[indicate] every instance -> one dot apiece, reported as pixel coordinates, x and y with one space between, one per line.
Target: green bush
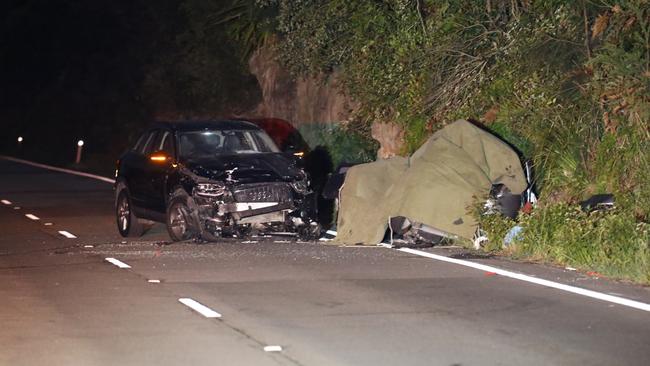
609 242
343 145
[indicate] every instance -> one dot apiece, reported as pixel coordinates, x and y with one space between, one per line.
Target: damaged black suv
210 179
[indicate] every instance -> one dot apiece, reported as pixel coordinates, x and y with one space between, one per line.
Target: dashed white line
117 262
17 208
48 224
518 276
273 349
89 246
5 202
153 281
199 308
67 234
32 217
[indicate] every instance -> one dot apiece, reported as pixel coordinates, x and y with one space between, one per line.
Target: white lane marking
48 224
117 262
32 217
61 170
67 234
518 276
153 281
5 202
89 246
17 208
199 308
273 349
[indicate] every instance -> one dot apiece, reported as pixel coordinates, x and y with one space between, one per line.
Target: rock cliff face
309 100
305 100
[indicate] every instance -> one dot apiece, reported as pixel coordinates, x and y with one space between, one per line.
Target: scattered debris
598 202
513 235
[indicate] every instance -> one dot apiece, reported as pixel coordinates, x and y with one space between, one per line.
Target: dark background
102 71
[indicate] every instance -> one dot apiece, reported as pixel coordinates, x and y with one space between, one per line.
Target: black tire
310 232
127 223
182 220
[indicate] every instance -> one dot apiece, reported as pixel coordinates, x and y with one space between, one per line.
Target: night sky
102 71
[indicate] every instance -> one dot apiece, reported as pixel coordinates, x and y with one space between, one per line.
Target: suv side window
140 142
167 143
147 148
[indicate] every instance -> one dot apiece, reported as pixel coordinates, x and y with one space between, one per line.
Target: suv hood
247 168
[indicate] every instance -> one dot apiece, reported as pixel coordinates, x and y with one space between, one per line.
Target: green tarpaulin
435 186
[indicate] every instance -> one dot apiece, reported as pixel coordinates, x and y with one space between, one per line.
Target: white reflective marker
199 308
5 202
117 262
273 349
518 276
67 234
32 217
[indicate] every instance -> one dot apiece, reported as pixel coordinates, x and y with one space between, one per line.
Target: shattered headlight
210 189
301 186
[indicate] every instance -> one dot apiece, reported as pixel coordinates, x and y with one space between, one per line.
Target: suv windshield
205 144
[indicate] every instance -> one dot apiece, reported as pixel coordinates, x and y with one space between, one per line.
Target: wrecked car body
212 179
428 197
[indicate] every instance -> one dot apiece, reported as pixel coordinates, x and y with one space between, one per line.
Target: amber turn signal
158 158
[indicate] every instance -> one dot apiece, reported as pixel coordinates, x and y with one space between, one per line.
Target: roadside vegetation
564 82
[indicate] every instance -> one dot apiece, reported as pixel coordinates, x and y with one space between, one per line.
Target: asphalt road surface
63 303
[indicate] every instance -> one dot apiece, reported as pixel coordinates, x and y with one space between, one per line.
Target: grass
609 242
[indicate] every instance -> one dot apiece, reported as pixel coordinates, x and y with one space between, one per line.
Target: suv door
137 178
158 173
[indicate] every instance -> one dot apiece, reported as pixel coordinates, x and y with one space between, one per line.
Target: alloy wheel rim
123 213
177 221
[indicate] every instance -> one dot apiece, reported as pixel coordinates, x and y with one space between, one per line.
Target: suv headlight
210 189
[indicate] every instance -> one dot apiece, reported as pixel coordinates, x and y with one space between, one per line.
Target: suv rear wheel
127 223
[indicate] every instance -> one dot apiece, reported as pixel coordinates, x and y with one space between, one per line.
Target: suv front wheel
182 221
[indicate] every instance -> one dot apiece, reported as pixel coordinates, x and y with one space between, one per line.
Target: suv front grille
267 192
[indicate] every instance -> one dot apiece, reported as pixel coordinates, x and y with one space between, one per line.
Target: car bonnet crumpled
436 186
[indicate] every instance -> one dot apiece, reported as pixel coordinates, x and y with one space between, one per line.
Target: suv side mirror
160 157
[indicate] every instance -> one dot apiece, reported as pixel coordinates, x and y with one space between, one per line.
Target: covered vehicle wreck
428 196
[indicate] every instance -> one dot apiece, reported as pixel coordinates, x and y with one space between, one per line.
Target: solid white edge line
273 349
67 234
199 308
6 202
117 262
518 276
32 217
61 170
